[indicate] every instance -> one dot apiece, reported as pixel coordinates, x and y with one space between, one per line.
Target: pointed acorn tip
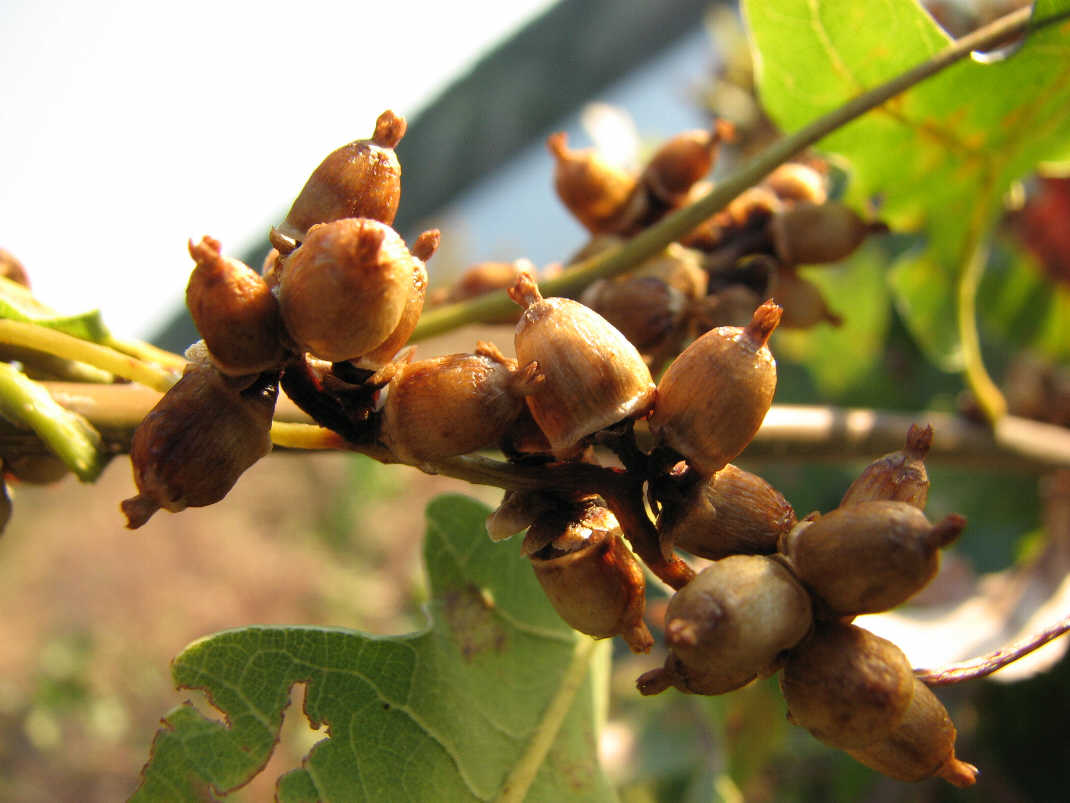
765 320
919 440
653 682
389 129
946 530
558 145
526 290
207 250
426 244
138 510
958 772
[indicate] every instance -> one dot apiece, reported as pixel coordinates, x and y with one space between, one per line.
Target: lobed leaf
939 158
446 714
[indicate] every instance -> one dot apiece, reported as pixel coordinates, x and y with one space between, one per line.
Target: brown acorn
601 197
810 234
802 300
487 277
194 444
713 397
422 250
589 574
729 513
921 746
795 182
846 686
750 211
343 292
682 161
645 309
680 268
730 624
452 405
591 375
898 476
870 556
517 511
11 268
359 180
35 469
234 310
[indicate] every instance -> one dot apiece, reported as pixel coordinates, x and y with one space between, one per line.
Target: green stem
42 338
519 781
684 220
68 435
988 396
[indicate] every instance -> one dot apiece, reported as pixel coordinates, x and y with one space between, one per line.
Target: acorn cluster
780 594
723 269
326 320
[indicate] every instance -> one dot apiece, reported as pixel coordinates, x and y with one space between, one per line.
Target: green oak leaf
938 158
448 714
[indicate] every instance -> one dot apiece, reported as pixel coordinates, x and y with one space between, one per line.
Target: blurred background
129 129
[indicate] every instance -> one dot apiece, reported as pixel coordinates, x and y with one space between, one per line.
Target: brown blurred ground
96 611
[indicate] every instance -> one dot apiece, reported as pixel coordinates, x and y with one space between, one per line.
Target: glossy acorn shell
448 406
868 557
410 316
343 291
596 192
644 309
899 476
712 398
732 622
809 234
591 375
679 163
846 686
234 310
921 746
199 438
358 180
589 575
794 182
732 512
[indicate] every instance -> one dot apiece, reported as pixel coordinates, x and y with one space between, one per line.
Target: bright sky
128 127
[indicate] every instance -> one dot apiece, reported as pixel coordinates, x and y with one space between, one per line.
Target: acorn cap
234 310
361 179
869 557
589 574
452 405
898 476
343 292
845 685
731 512
591 375
712 399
